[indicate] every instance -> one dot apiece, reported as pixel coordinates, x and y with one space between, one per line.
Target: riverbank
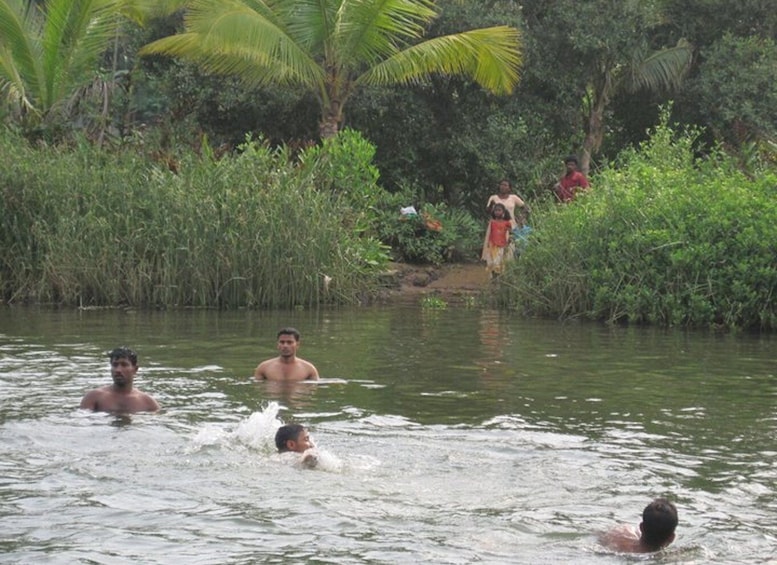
451 282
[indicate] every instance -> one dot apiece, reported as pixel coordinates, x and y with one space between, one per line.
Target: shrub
435 234
662 238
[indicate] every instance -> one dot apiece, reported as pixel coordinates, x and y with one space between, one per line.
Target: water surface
446 436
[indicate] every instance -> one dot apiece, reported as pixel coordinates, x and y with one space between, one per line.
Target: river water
444 436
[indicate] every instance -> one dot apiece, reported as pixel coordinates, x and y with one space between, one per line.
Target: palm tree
50 53
332 47
656 71
45 54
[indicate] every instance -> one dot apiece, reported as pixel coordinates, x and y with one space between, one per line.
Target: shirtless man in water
656 531
120 397
287 366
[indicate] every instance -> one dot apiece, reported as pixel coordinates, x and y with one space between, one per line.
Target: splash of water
256 432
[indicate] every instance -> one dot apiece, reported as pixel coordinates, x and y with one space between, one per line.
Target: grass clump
83 227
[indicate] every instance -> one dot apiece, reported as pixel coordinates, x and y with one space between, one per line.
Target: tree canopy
332 47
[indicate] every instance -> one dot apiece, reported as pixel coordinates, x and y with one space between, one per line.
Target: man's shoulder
580 176
261 369
310 368
90 396
306 363
268 361
149 403
96 397
622 537
98 392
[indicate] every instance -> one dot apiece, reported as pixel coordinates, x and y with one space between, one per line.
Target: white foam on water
255 432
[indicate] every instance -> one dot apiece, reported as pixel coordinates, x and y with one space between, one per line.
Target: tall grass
662 238
82 227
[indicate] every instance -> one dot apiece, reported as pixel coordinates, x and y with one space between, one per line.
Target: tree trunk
331 119
328 128
594 134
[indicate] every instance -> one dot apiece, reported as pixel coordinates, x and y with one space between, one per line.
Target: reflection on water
451 436
298 396
120 420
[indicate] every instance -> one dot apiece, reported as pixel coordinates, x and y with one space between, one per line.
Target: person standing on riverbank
510 201
120 397
572 182
287 366
496 248
656 531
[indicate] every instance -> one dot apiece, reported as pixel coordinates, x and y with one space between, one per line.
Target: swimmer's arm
309 460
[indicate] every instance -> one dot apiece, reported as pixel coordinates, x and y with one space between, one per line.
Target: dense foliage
83 227
333 47
434 233
664 238
736 86
177 210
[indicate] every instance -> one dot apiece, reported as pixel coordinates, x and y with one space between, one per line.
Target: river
454 435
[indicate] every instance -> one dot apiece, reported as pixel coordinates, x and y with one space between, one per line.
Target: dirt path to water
450 282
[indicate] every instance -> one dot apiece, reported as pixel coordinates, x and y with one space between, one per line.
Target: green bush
662 238
436 234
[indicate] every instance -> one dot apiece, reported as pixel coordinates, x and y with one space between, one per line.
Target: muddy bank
451 282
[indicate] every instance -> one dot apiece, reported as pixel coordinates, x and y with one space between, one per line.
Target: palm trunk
328 127
332 113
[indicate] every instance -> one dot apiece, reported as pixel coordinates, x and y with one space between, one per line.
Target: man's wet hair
571 159
289 331
124 352
659 520
288 432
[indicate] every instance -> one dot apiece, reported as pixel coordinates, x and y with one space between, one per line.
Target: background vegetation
250 230
146 155
666 238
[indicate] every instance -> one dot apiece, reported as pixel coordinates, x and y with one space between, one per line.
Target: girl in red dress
497 248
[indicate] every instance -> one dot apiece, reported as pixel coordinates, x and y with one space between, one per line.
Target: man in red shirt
572 182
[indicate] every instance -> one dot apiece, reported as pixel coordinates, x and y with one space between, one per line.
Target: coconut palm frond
74 37
489 56
372 31
49 51
332 46
662 70
20 55
234 38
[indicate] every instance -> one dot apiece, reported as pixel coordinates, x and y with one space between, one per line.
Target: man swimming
656 531
295 438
